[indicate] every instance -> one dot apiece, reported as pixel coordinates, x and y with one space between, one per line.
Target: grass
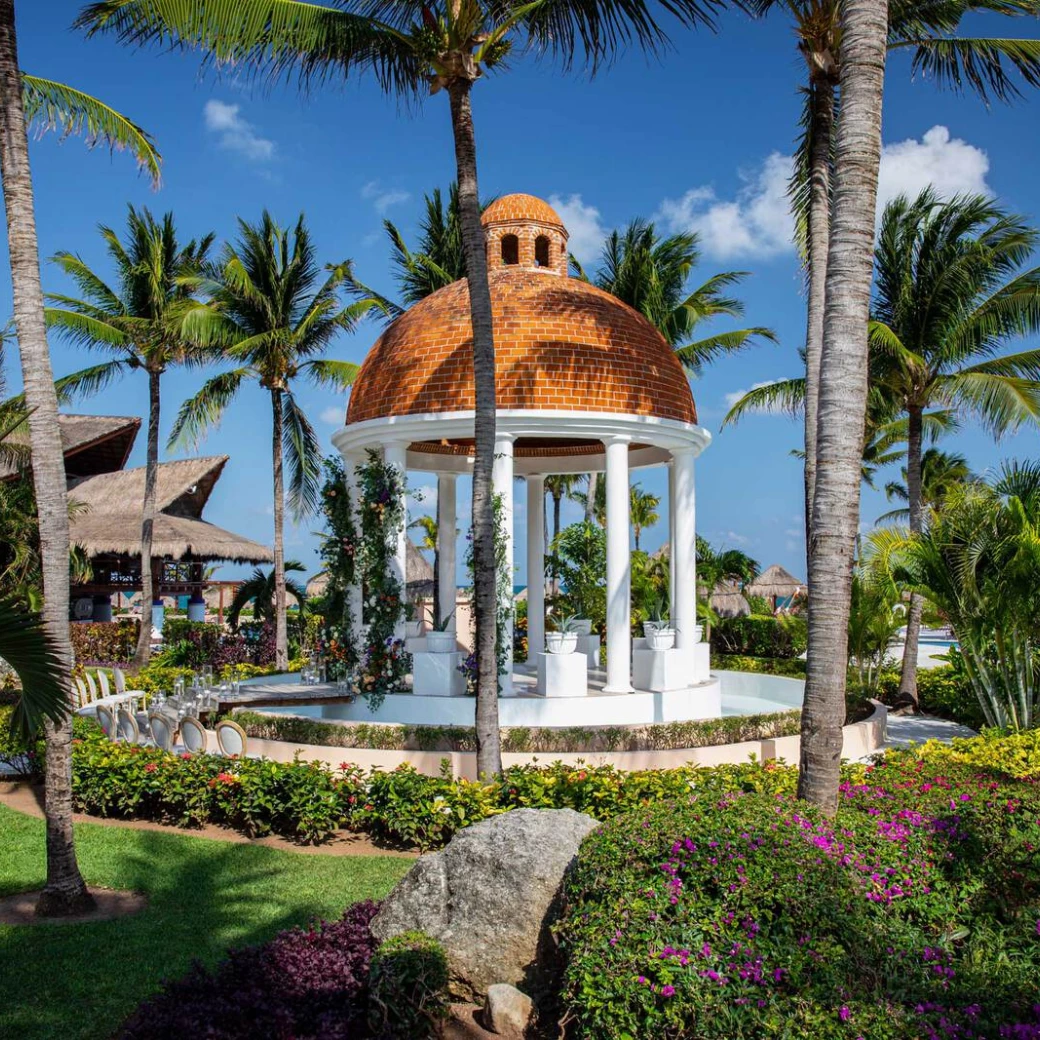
80 981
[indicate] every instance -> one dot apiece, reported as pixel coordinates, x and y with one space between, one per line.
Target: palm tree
259 589
643 510
940 471
843 398
26 99
928 29
715 566
952 294
415 48
272 319
26 646
142 320
650 274
428 543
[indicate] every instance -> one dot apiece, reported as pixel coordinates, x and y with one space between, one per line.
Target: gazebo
584 383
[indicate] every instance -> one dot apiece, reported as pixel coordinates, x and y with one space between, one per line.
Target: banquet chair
231 739
106 720
193 735
162 728
126 727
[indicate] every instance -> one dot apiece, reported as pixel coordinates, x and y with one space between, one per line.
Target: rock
508 1011
490 897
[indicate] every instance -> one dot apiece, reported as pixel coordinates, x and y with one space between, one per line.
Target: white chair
82 700
106 721
161 727
106 690
193 735
126 726
91 685
120 681
231 739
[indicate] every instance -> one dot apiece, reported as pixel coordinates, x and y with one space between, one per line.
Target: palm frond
331 375
56 106
89 381
784 396
694 356
983 65
85 330
206 408
302 451
25 646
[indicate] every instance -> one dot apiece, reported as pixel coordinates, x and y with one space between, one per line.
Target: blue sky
698 140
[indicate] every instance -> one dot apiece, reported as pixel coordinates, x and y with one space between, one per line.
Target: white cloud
235 133
757 221
583 224
333 415
736 395
383 198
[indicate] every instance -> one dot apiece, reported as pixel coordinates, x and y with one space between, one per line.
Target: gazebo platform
590 707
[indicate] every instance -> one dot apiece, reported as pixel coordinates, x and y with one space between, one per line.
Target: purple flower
844 1013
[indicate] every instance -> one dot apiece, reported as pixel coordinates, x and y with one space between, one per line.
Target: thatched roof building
92 444
728 601
108 520
777 585
420 577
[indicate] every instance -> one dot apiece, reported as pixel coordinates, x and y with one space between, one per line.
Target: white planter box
563 675
660 670
440 642
438 675
589 646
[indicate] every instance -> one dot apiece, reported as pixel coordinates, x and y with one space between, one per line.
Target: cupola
523 231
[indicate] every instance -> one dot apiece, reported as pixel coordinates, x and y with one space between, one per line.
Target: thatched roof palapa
775 582
109 518
728 601
420 576
91 443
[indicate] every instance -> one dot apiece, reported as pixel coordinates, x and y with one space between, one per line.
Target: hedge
914 914
760 636
104 642
944 691
731 729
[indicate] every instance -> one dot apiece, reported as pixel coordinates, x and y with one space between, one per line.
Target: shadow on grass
81 980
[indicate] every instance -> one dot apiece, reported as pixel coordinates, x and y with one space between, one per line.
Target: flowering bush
309 984
914 914
408 988
104 641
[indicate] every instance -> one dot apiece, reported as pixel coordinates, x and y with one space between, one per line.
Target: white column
619 570
446 535
685 615
355 604
535 567
395 454
671 541
502 485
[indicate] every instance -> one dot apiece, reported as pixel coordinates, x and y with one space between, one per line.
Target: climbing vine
503 596
338 642
383 662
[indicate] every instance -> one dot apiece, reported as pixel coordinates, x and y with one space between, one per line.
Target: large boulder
490 897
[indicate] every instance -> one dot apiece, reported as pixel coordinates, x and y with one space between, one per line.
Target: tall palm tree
651 273
843 397
415 48
559 486
259 589
23 100
940 471
144 321
428 543
929 29
644 511
26 646
273 321
952 294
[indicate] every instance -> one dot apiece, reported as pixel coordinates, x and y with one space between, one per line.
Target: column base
618 689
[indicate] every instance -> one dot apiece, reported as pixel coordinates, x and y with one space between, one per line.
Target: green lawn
79 981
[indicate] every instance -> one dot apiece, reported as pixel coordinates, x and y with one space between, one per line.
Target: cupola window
510 249
541 251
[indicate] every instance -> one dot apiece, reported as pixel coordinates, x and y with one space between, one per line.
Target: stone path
907 729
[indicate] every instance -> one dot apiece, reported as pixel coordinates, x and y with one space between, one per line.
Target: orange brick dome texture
520 208
560 344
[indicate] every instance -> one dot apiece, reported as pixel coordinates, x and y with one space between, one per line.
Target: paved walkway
916 729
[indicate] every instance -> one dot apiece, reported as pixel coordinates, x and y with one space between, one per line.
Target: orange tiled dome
560 344
520 208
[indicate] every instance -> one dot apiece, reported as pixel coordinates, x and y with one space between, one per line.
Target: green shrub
913 914
408 988
760 636
944 691
104 642
791 667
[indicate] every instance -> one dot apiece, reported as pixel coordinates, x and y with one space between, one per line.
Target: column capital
503 435
620 438
684 452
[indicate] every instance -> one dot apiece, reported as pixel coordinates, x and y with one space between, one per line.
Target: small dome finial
523 231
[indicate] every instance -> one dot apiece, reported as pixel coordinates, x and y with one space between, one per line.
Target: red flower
150 767
186 755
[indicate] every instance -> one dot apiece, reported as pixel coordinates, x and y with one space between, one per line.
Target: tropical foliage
258 590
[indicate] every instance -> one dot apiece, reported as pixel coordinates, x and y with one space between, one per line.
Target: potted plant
563 636
412 627
661 638
440 639
579 621
657 617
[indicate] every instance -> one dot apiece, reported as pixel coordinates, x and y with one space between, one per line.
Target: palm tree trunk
843 397
590 501
485 592
438 607
281 637
65 891
557 497
151 469
817 239
907 696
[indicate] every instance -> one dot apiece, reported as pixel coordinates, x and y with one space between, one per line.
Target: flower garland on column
384 663
338 642
503 596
